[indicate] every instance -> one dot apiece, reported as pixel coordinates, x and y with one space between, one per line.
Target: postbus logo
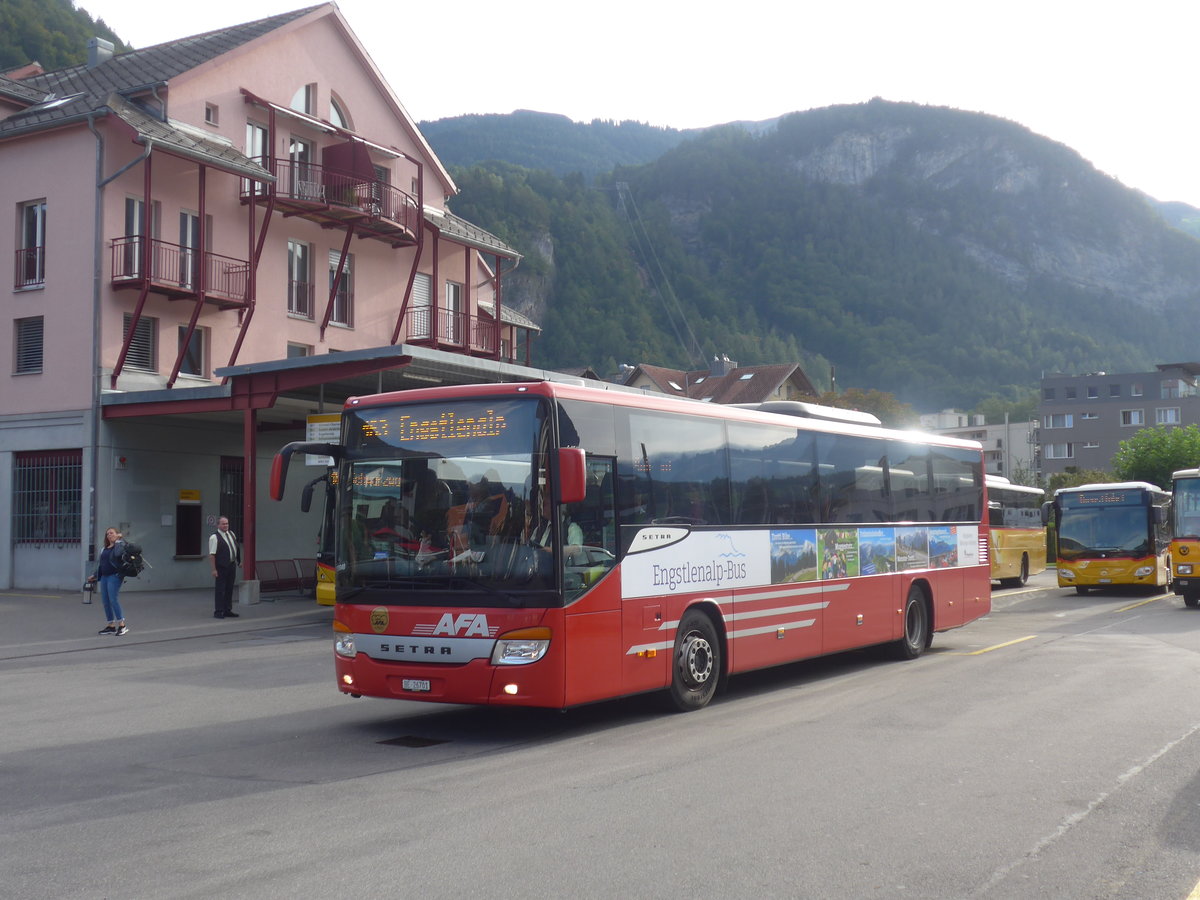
379 619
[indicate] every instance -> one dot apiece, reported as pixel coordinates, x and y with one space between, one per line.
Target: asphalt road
1049 750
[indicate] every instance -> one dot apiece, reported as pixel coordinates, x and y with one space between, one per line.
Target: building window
193 361
1093 392
1069 393
28 346
1060 451
1091 445
297 351
256 149
422 302
47 491
31 247
305 99
454 301
1168 415
1090 415
300 286
306 179
1114 390
337 112
1135 390
1047 393
342 289
1058 420
143 349
211 114
1133 417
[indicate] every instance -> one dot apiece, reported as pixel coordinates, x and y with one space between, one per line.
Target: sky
1115 81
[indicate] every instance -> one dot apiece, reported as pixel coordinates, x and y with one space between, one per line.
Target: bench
286 575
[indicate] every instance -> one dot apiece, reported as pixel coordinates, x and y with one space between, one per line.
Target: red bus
550 545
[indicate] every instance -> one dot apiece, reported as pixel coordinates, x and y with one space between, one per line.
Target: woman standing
108 574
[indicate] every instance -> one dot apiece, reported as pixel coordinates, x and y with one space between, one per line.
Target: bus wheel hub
696 659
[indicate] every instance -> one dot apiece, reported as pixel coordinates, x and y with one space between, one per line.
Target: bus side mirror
1160 515
572 475
1047 512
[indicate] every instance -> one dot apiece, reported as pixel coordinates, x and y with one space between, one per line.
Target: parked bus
326 484
1185 543
1018 537
551 545
1111 535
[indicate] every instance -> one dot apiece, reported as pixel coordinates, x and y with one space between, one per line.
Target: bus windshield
1112 529
1186 503
447 504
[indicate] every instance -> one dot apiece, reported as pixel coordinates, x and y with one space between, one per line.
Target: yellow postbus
1111 535
1017 543
1185 541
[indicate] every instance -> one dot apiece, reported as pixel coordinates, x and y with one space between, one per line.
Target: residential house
213 239
725 382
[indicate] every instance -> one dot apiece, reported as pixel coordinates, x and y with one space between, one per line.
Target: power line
658 274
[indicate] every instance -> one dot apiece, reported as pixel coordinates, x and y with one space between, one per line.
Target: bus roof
1112 486
999 482
621 396
1185 473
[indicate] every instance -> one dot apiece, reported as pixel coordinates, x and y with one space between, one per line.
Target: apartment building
1084 418
214 239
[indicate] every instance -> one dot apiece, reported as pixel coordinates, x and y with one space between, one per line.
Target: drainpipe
97 268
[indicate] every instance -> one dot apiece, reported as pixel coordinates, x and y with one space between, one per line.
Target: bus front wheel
1081 588
916 626
1191 600
696 663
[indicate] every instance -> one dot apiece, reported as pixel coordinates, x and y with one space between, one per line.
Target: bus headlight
343 640
1184 569
1143 571
521 647
1066 573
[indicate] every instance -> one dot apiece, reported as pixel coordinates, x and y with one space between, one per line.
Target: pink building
213 240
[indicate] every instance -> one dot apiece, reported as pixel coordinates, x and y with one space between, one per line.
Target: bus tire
1020 580
1191 600
917 634
695 663
1081 588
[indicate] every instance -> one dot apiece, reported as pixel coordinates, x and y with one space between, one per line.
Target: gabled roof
509 316
128 72
746 384
466 233
181 139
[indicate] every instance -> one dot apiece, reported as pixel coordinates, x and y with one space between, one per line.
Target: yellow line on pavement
997 646
1142 602
1195 894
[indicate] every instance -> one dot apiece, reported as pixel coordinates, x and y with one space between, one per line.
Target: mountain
50 32
539 140
941 255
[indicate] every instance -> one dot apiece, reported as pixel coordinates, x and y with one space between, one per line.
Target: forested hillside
941 255
51 32
538 140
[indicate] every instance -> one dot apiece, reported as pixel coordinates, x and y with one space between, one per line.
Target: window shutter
29 345
143 352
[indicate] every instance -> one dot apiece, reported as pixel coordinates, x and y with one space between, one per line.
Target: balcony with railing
31 268
176 271
332 197
456 330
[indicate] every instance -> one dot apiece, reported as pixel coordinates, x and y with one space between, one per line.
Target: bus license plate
415 684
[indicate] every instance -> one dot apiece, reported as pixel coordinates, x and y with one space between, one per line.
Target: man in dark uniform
225 555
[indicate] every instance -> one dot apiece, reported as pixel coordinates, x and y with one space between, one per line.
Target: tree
1073 477
1152 454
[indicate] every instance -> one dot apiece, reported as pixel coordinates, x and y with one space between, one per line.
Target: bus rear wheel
1191 600
696 662
916 626
1020 580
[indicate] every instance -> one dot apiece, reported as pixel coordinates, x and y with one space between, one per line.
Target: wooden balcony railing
175 270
